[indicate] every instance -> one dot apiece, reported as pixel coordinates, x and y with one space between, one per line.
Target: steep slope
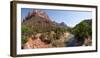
38 23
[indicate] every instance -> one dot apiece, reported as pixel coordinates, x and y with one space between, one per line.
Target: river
72 41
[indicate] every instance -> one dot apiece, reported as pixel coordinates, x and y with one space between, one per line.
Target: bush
82 30
23 39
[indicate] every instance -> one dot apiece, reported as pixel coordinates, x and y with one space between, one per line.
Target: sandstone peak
39 13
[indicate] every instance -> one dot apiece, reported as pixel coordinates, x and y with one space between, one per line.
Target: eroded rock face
87 41
28 44
38 13
35 43
41 13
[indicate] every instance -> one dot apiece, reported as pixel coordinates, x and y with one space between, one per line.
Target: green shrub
23 39
82 30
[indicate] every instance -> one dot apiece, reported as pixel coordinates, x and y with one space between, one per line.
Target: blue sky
69 17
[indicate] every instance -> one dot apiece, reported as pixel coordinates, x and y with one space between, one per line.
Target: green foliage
60 30
23 39
26 32
83 29
25 29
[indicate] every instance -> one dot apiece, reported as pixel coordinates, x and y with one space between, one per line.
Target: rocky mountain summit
38 13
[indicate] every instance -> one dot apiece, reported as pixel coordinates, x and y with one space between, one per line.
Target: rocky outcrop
41 13
38 13
87 41
35 42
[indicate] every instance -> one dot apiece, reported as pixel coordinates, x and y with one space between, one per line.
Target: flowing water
72 41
